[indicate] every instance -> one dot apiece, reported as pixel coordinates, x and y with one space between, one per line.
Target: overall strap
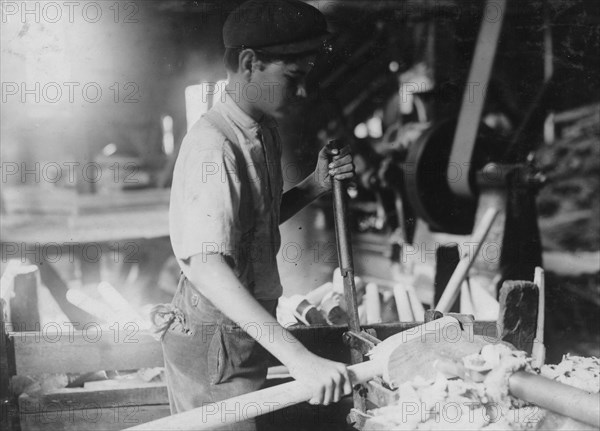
218 121
221 125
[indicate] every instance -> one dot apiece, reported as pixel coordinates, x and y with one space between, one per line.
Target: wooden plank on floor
84 351
82 398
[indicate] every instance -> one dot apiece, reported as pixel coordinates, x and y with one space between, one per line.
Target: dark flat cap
275 26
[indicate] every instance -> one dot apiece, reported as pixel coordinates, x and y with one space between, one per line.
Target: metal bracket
363 341
379 395
360 343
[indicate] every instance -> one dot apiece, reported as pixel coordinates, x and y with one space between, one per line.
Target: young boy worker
226 207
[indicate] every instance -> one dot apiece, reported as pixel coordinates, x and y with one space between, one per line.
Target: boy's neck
233 87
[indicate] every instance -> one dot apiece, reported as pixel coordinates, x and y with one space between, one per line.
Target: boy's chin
287 111
281 113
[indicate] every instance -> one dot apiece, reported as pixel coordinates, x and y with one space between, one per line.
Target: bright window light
195 107
200 98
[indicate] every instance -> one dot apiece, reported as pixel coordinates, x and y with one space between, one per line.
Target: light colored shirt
226 198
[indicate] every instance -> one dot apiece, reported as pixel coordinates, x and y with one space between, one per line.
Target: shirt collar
242 119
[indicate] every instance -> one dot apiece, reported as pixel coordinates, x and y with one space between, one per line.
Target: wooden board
327 341
36 353
80 398
37 200
84 218
81 351
93 419
101 228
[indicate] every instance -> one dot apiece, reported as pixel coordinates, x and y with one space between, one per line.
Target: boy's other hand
328 380
340 166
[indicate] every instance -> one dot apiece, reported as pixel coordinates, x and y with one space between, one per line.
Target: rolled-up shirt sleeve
205 201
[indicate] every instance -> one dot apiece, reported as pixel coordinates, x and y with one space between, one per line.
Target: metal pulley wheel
427 177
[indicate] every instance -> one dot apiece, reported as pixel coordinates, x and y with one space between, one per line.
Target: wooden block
315 296
447 258
278 372
24 305
372 303
330 307
517 319
405 313
418 311
83 351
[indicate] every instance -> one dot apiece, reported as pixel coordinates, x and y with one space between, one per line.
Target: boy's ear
247 61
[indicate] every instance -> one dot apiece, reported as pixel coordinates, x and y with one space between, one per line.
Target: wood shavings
503 362
577 371
453 403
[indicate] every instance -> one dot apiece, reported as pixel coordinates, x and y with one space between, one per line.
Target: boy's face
282 86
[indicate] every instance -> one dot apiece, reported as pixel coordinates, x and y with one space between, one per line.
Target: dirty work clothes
207 357
226 197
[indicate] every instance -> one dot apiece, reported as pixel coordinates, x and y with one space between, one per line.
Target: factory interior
474 128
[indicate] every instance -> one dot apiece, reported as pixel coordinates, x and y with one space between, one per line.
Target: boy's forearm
214 279
300 196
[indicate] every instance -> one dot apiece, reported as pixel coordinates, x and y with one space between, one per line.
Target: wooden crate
36 353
